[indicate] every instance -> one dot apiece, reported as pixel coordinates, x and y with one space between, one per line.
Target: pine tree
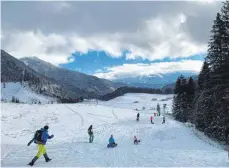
17 100
183 100
215 56
158 109
176 109
204 77
225 44
13 100
191 88
203 83
177 88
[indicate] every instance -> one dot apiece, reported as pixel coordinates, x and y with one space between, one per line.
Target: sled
111 146
136 143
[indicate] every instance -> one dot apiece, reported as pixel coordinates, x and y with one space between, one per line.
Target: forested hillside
207 104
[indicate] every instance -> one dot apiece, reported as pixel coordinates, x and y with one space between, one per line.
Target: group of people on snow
41 136
151 119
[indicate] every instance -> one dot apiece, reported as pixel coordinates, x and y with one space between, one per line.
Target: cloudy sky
111 39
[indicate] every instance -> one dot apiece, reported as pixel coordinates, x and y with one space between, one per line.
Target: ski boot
47 159
33 161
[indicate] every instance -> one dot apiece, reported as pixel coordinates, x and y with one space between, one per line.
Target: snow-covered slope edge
23 93
162 145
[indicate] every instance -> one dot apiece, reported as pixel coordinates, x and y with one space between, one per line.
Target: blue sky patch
97 61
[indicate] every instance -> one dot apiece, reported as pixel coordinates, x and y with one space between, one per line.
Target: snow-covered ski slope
23 93
170 144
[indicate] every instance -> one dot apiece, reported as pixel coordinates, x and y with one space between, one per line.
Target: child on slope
136 141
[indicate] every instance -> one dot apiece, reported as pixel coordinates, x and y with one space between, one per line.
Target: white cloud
166 38
58 6
206 1
134 70
52 48
156 38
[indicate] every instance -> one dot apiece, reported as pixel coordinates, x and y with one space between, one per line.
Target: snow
23 93
169 144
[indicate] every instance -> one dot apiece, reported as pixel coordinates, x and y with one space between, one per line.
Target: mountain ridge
71 78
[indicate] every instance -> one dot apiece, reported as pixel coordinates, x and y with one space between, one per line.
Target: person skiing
163 122
136 141
111 142
151 119
91 134
40 138
138 115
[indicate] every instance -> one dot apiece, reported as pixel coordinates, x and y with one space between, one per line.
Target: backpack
37 136
90 131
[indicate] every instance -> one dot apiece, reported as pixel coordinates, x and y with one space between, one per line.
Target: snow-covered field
23 93
170 144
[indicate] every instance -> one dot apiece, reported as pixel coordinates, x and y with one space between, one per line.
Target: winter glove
52 136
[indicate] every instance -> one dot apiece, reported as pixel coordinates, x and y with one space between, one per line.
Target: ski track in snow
98 115
82 120
114 114
169 144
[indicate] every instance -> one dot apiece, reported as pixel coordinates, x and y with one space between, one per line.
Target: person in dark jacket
138 115
41 145
163 122
91 134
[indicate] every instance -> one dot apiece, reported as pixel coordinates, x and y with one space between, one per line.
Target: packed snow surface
169 144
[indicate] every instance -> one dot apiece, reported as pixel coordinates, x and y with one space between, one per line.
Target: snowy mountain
13 70
172 144
54 82
23 93
72 79
154 81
